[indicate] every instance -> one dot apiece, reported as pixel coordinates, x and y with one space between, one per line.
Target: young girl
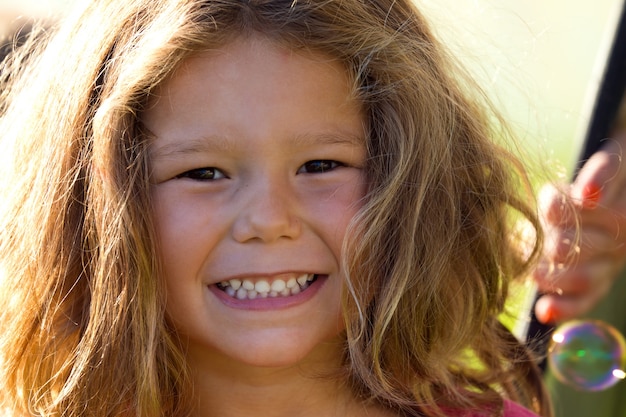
255 207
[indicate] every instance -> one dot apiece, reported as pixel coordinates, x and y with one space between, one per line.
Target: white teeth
302 279
278 285
262 286
242 294
248 289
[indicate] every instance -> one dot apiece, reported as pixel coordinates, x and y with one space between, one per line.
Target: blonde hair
84 330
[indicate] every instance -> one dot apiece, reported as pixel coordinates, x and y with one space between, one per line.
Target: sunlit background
540 60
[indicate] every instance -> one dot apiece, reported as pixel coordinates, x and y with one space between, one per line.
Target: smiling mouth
248 289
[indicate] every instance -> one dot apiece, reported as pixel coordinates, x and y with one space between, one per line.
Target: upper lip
270 276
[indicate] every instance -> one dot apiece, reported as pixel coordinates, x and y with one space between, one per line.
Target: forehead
239 89
228 59
257 65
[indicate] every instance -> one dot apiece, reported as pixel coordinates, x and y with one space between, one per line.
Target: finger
572 302
580 279
554 308
561 245
602 176
566 246
555 206
603 234
600 242
578 295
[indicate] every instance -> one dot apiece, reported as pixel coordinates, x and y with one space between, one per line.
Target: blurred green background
540 60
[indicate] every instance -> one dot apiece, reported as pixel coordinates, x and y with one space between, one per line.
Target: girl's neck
312 387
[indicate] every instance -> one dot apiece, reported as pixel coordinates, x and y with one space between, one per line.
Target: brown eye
319 166
203 174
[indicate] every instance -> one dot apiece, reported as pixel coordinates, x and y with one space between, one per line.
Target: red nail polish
551 316
547 317
591 195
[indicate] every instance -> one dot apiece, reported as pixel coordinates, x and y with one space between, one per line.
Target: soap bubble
588 355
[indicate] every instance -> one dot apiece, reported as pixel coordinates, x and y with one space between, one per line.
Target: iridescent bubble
588 355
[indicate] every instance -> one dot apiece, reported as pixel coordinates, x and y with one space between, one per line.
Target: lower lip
271 303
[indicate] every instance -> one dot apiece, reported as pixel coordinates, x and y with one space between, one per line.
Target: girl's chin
274 350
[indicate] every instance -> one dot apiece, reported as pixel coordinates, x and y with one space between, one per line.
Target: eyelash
203 174
318 166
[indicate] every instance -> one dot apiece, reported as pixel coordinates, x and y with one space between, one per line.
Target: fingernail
591 195
548 316
555 315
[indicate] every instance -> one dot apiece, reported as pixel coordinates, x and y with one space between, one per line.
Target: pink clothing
512 409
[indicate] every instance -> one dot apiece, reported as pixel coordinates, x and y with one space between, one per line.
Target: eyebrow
221 144
192 146
330 138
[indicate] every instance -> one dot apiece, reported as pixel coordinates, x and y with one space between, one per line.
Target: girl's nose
267 214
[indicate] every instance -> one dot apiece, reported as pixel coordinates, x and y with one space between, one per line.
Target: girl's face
257 171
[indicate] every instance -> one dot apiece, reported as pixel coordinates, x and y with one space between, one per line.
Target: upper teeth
249 289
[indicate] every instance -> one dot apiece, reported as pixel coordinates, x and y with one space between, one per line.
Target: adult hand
585 225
